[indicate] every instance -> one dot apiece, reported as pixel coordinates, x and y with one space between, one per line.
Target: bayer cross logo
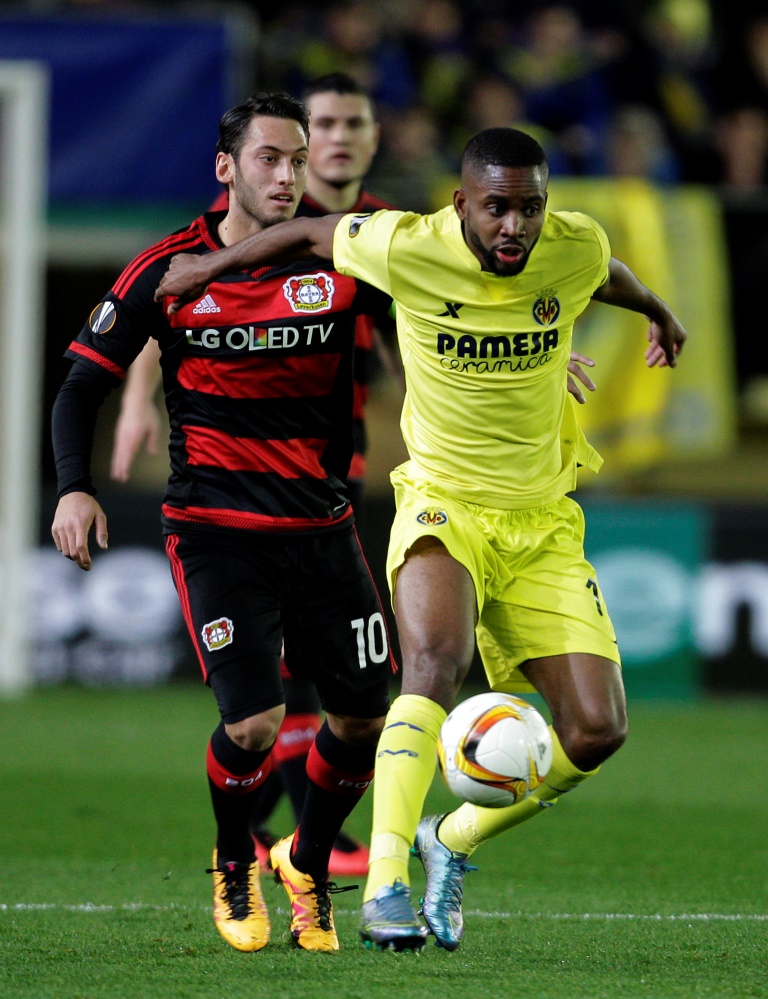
310 293
217 634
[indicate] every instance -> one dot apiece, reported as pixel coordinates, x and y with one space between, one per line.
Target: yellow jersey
487 415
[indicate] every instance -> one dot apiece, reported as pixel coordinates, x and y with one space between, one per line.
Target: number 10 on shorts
371 639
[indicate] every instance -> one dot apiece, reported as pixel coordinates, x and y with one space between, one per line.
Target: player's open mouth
509 254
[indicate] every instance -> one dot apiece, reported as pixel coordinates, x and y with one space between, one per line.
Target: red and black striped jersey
364 329
258 383
364 337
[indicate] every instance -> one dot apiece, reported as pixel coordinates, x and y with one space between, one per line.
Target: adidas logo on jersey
205 305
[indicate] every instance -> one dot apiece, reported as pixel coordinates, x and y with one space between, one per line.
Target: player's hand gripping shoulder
185 280
188 276
75 514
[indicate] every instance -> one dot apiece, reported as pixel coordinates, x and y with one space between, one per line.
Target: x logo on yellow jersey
452 309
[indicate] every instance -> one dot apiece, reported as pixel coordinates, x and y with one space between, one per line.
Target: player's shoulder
418 224
151 263
572 224
566 231
368 202
191 238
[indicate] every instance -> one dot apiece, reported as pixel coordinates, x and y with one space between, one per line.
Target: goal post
24 87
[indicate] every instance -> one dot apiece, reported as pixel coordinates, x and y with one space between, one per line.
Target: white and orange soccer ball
494 750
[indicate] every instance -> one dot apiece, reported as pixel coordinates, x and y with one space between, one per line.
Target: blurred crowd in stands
669 90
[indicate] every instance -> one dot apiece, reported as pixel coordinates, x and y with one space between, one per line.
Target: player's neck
237 225
332 197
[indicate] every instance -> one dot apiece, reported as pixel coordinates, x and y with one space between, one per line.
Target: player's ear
460 203
225 168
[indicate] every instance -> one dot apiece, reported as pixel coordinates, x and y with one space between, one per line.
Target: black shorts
245 594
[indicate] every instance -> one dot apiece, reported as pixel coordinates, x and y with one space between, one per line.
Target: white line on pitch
686 917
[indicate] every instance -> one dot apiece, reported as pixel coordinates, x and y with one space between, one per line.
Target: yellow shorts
537 595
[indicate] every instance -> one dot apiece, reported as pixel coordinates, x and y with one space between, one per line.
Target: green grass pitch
651 880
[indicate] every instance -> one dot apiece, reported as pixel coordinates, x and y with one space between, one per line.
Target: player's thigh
435 613
584 693
335 630
423 511
550 604
233 610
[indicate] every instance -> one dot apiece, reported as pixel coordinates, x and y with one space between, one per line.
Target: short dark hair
336 83
506 147
234 124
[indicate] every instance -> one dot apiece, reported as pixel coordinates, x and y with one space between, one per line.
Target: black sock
338 774
266 800
293 774
235 775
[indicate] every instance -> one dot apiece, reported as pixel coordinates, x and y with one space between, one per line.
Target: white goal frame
24 88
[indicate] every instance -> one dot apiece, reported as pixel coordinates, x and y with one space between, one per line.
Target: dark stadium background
137 91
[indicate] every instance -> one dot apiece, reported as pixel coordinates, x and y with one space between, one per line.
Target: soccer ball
494 750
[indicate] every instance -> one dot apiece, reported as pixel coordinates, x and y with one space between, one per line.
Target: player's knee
590 744
436 672
356 731
258 732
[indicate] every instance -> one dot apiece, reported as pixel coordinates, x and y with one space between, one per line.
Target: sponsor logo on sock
297 735
399 724
231 782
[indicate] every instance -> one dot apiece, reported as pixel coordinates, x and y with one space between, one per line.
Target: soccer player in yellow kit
486 545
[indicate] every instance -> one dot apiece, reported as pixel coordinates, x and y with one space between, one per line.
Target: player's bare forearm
625 290
139 422
188 275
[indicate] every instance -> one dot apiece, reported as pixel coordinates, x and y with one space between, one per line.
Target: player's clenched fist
185 280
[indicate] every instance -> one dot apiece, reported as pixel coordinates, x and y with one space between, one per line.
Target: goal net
23 175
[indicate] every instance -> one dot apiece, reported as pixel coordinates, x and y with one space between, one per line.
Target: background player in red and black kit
344 139
259 529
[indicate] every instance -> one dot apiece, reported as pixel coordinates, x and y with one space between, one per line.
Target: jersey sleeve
120 325
361 247
72 425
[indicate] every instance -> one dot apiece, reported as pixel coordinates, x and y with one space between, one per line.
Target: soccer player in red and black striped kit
344 140
258 524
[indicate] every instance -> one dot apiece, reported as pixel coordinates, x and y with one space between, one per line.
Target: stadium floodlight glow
24 89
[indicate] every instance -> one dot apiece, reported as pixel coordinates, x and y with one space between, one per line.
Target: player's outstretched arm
575 369
188 275
139 421
75 515
624 289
